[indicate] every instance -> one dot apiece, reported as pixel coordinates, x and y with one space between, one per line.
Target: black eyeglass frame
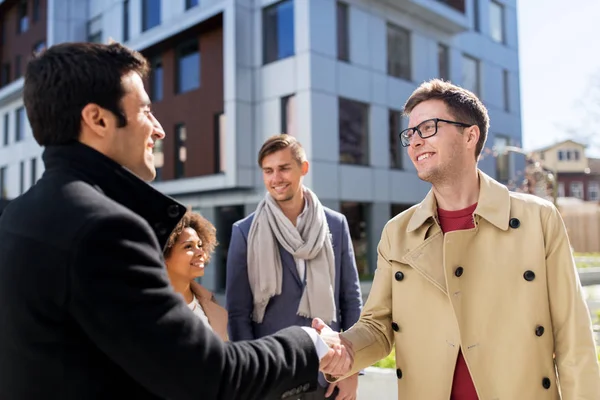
405 141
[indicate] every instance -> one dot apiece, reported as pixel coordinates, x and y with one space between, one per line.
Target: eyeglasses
426 129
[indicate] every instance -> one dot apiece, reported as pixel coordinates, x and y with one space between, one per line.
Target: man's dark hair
62 80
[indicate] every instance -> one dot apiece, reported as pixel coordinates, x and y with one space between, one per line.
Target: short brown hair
280 142
463 104
205 230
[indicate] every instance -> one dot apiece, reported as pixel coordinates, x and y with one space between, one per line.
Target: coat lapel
428 258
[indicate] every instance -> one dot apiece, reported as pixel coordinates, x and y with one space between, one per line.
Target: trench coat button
529 275
458 272
399 373
173 211
539 330
514 223
546 383
399 276
395 327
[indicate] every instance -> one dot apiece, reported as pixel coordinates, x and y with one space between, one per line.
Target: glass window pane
496 22
343 45
188 74
278 31
470 74
398 50
354 132
150 14
443 62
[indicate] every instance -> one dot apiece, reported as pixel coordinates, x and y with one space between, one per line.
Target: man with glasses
476 286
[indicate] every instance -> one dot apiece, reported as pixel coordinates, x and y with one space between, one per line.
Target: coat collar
117 183
493 205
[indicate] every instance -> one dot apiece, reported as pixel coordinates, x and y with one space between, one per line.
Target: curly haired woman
187 252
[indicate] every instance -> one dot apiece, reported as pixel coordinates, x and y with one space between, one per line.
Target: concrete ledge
589 276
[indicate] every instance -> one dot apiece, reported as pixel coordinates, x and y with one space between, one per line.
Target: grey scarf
308 241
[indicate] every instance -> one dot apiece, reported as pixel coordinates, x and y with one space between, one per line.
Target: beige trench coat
516 310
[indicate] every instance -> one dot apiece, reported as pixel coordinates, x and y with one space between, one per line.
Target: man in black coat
86 308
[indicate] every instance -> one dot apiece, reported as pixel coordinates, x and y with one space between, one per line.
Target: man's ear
305 166
472 134
95 118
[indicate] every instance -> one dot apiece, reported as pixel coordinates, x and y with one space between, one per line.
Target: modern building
227 74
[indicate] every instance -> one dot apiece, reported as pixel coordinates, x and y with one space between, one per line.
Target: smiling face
446 154
186 259
132 145
282 175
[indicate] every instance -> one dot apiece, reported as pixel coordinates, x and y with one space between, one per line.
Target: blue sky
559 54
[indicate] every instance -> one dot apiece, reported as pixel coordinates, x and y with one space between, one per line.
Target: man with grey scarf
292 260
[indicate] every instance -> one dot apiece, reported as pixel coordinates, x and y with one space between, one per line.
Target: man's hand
347 388
338 361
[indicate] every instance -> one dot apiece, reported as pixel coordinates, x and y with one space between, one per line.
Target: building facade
227 74
577 175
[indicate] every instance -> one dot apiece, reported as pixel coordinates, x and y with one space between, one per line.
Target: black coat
86 308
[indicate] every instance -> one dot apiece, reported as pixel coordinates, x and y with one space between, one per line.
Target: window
593 191
94 30
278 31
220 132
395 145
502 160
458 5
497 22
156 80
23 18
22 177
5 75
39 47
561 155
288 115
476 26
125 20
470 74
561 189
577 190
398 52
443 62
506 90
159 158
343 33
576 155
354 132
3 183
188 67
150 14
6 126
356 214
191 3
33 171
36 11
180 150
20 124
17 67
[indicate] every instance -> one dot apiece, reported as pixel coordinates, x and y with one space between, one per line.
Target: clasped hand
339 359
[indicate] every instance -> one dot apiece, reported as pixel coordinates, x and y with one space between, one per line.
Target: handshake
340 357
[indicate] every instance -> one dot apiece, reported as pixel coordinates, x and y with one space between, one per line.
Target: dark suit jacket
86 308
281 310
